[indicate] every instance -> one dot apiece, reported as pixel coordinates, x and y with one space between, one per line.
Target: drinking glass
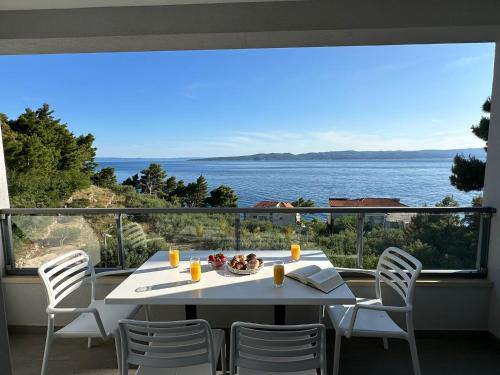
195 268
174 257
279 274
295 250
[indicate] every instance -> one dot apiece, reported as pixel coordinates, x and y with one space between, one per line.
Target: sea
416 182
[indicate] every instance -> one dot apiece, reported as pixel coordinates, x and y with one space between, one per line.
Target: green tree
301 202
105 177
447 201
443 240
223 196
196 192
169 187
133 181
45 162
152 179
180 190
468 172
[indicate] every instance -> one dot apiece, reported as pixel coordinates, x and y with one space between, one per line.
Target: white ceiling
68 4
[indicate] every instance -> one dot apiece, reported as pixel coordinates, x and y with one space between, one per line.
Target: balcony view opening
178 198
338 127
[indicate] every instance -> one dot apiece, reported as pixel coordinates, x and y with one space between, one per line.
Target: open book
325 280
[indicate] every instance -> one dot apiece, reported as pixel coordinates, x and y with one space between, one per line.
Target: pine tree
223 196
301 202
133 181
169 188
45 161
179 192
468 172
201 191
152 179
196 192
105 177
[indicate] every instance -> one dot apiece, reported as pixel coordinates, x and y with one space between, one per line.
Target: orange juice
279 274
174 257
195 268
295 248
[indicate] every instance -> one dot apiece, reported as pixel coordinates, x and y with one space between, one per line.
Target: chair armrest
71 310
80 310
366 306
117 272
357 270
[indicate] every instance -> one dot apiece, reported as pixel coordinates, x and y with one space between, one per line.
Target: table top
155 282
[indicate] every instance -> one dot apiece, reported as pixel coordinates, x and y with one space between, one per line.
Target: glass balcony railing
446 239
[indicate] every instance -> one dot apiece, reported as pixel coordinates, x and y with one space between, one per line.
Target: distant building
387 220
275 218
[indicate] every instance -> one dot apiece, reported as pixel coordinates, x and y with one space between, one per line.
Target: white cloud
253 142
466 60
192 90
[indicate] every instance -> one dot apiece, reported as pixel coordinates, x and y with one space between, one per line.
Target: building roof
365 202
273 204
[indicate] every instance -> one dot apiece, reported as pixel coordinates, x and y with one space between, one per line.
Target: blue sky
234 102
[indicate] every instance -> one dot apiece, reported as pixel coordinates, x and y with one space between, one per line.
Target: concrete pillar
492 198
5 360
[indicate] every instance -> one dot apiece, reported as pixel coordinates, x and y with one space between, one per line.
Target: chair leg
147 312
118 349
321 315
336 353
89 342
223 358
414 354
48 345
386 342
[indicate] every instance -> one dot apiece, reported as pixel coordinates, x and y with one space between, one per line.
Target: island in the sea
351 154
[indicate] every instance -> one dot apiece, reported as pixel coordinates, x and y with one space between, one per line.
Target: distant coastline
350 154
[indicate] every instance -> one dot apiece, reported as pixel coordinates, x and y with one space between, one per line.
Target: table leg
191 312
279 314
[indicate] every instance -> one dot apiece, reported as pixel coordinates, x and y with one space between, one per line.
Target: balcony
438 355
124 239
457 300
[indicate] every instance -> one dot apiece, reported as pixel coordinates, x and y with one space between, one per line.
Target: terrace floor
440 354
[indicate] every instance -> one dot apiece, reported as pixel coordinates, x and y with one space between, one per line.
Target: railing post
8 244
237 232
119 238
359 239
483 242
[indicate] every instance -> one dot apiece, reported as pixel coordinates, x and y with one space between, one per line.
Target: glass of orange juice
295 249
195 268
279 273
174 257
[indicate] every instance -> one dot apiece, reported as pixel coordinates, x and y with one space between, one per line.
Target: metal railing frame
360 212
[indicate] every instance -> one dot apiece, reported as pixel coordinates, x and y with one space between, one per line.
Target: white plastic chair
66 274
271 349
180 347
369 317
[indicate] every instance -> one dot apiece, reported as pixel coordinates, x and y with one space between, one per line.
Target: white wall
492 198
443 305
4 203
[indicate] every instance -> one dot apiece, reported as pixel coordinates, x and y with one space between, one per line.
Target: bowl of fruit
217 260
245 265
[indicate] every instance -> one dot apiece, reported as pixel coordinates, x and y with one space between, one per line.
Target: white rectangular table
156 283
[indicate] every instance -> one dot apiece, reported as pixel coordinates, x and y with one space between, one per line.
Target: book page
326 280
303 273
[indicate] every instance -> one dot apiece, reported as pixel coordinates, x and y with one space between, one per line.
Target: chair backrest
166 344
399 270
270 348
65 274
134 236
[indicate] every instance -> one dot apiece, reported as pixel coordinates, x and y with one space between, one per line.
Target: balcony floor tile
440 354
